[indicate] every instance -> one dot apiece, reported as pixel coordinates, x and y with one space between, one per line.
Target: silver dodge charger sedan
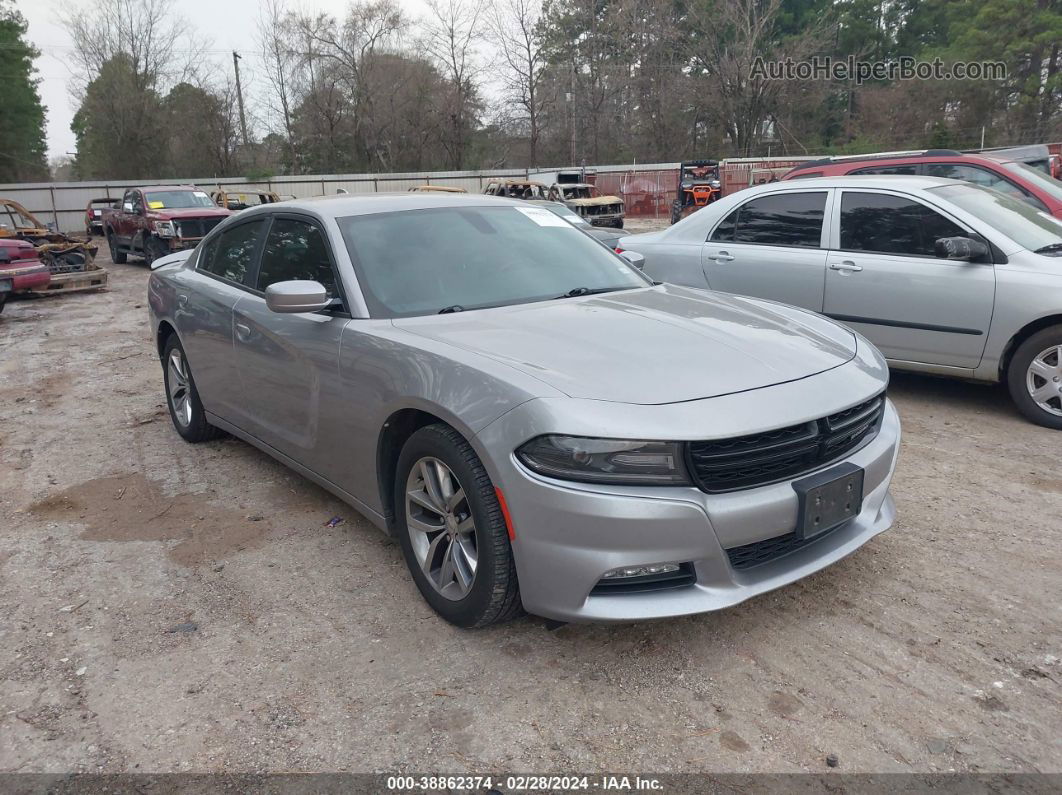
539 425
943 276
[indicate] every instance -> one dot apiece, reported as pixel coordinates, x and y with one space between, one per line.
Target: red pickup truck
20 269
153 221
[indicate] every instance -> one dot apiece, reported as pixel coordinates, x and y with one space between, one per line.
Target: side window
229 254
807 175
785 219
726 228
903 170
138 201
128 198
296 250
891 225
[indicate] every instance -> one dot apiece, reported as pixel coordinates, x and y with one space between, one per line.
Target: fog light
640 571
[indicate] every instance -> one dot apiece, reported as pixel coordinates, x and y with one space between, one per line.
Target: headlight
164 229
618 461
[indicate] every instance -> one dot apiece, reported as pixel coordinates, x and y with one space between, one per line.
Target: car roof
343 204
893 181
168 187
933 155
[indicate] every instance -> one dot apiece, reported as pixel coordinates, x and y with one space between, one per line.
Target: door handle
847 265
722 256
243 331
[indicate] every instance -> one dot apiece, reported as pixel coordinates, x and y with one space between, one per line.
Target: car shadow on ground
952 394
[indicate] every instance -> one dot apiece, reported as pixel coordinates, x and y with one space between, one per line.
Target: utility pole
239 96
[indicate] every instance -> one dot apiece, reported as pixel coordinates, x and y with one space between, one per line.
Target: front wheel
452 530
1034 378
182 398
117 255
3 300
153 249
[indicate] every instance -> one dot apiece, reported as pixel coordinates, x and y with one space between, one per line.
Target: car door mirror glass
960 248
297 295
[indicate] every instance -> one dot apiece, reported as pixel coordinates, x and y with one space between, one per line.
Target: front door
884 280
289 363
771 247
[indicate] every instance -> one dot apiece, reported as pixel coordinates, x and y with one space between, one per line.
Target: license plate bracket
828 499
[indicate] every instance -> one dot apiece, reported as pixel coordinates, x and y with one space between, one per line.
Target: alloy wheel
441 529
1044 380
179 388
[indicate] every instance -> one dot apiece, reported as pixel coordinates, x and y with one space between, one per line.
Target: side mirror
127 207
634 258
961 248
297 295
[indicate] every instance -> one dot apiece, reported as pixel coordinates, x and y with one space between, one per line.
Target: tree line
515 83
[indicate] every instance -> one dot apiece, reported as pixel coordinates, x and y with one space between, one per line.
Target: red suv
998 172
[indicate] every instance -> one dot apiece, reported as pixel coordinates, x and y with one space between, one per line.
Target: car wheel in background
153 250
117 255
1035 377
452 530
186 409
3 300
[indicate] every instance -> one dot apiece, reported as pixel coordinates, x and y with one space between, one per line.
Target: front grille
760 552
603 209
196 227
647 582
756 460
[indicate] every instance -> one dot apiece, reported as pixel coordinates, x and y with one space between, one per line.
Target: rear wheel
186 409
117 255
452 530
1034 377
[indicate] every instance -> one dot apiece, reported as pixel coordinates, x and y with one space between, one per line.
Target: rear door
772 246
884 280
289 363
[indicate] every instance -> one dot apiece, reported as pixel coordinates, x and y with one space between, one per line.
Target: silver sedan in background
538 424
943 276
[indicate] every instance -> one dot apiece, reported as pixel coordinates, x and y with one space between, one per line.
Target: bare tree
516 32
275 37
452 32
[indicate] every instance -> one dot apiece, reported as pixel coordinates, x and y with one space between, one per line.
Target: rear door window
784 219
886 224
904 170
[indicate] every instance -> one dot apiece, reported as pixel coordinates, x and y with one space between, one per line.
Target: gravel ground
170 607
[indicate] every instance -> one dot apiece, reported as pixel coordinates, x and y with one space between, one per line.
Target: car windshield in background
177 199
1037 177
1022 223
422 262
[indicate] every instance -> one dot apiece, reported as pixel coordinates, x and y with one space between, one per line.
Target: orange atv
698 186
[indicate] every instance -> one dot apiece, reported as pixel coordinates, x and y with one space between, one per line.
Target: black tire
192 426
494 595
3 300
153 250
618 223
676 213
118 256
1018 372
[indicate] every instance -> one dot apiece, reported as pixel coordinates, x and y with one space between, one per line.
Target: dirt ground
175 607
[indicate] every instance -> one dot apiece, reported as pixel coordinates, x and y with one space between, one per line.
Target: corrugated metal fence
648 189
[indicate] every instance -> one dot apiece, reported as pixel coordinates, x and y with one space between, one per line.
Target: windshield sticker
156 205
542 217
200 195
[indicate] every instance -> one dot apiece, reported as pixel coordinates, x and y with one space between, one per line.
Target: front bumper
569 534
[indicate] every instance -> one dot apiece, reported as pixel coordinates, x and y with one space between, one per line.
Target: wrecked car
20 269
586 200
154 221
61 253
94 215
515 189
236 200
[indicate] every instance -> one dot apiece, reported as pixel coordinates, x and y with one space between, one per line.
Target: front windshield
567 214
1037 177
1022 223
421 262
177 199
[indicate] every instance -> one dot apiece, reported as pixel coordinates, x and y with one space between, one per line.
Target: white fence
62 204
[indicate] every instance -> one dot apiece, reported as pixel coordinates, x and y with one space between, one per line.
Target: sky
226 24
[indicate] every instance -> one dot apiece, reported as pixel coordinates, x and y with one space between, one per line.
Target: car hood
664 344
595 201
189 212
